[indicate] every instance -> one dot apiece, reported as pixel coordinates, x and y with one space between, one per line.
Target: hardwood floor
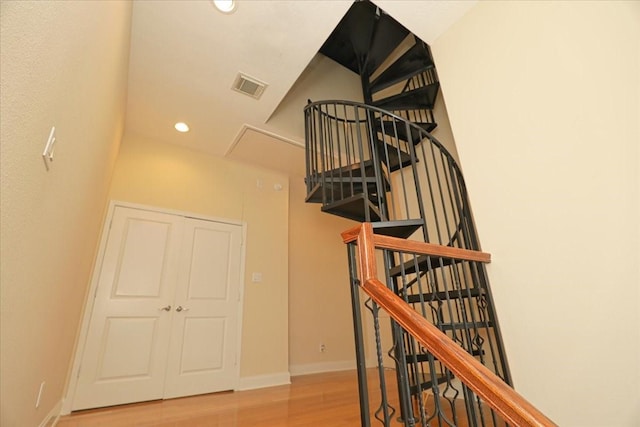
320 400
329 399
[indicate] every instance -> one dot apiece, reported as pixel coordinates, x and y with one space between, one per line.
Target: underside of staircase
378 162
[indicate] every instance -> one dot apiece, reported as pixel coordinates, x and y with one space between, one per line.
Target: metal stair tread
422 97
398 128
399 228
422 261
394 158
337 188
352 169
443 295
414 61
346 179
354 208
427 384
463 325
314 195
424 357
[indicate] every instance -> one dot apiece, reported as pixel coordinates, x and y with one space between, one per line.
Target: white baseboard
317 368
52 417
261 381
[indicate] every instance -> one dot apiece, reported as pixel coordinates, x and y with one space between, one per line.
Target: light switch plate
47 154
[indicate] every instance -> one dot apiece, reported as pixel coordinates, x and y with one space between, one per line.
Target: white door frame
95 276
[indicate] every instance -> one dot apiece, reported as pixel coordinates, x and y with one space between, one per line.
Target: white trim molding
52 417
320 367
262 381
245 127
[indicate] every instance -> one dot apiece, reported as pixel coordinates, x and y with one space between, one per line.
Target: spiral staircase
378 162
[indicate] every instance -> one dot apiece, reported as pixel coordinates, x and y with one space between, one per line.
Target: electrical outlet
40 392
323 348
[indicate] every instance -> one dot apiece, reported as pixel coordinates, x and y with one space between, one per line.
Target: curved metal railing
371 165
368 164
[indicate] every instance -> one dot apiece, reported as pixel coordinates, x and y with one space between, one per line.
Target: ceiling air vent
249 86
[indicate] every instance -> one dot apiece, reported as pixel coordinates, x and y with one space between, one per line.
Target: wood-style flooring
329 399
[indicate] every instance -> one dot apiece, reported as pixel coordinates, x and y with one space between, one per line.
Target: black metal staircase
378 162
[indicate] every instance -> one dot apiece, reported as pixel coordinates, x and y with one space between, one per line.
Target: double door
165 315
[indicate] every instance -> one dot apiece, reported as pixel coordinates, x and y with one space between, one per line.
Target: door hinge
79 369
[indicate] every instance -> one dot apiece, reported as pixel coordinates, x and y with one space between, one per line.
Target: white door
125 353
203 349
138 339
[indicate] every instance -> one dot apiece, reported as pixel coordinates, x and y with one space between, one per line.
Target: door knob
167 308
181 308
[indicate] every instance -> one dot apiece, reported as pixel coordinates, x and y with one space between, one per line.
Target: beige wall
319 304
544 102
64 64
169 176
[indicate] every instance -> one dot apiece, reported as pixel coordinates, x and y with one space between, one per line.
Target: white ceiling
185 56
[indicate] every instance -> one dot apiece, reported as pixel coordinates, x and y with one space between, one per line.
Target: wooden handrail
388 242
503 399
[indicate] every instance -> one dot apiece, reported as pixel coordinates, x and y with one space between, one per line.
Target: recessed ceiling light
225 6
181 127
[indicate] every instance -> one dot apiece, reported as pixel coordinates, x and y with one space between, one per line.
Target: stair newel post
361 362
368 271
